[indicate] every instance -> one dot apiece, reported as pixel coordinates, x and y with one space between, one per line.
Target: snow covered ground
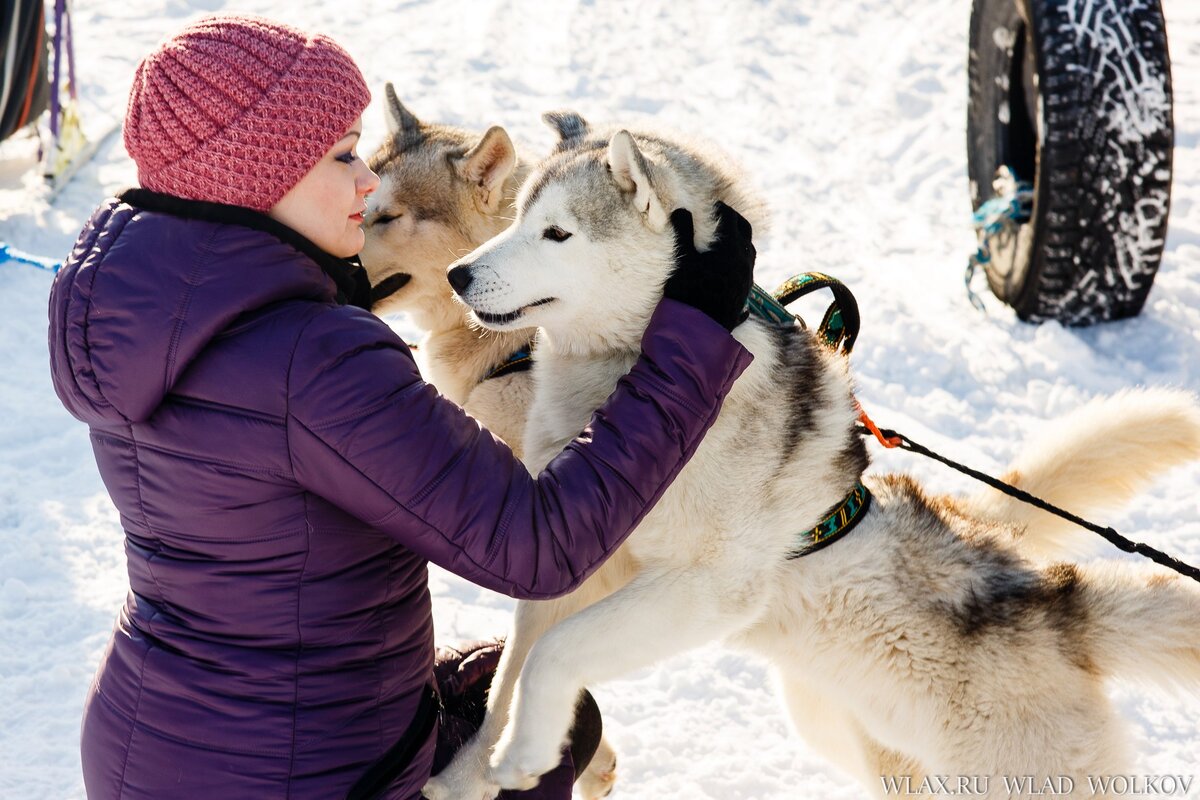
849 114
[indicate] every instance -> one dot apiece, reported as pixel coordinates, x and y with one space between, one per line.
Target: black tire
25 89
1098 75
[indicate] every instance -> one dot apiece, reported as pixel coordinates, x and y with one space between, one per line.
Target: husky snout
460 278
490 297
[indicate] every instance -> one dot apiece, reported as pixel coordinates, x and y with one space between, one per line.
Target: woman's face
327 205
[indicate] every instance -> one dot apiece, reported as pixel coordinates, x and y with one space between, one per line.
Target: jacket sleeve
367 434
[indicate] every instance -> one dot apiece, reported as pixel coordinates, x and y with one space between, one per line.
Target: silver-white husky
443 192
927 641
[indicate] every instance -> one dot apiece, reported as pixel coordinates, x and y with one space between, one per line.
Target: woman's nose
368 183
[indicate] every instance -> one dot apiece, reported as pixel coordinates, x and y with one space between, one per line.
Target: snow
850 117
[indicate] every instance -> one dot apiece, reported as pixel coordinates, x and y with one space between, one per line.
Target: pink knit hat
237 109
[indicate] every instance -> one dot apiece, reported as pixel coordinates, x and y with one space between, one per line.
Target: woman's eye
347 158
556 234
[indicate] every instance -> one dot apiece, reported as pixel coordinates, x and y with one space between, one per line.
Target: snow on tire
1073 96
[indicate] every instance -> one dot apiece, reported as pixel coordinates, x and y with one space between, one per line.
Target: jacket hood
152 280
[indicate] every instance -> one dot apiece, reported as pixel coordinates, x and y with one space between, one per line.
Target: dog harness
839 331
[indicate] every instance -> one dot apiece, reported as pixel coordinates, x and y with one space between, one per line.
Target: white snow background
850 117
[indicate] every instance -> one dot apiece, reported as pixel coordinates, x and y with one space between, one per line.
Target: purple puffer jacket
283 475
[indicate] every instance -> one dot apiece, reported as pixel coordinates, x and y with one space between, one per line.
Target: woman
283 474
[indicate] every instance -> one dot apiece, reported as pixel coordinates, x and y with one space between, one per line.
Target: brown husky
443 192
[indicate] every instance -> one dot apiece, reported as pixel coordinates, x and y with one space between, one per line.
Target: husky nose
460 278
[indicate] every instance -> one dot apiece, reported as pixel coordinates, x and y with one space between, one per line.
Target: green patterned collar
836 523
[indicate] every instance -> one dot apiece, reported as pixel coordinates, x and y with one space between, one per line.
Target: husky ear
567 124
399 118
632 174
488 164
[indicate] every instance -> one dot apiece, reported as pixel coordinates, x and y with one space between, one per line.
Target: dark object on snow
1099 160
890 438
24 89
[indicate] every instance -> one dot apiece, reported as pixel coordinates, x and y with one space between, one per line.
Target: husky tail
1139 623
1095 459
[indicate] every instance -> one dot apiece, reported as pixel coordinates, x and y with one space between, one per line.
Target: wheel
23 83
1073 97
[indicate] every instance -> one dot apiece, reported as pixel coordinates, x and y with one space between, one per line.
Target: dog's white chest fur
704 517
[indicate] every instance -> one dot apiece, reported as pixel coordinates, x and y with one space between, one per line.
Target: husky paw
455 784
520 767
435 789
598 779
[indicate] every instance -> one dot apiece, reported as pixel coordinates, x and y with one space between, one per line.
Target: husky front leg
466 776
660 613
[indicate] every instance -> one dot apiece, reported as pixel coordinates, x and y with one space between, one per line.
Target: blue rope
1003 212
11 254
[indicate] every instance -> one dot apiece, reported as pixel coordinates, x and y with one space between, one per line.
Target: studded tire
1073 96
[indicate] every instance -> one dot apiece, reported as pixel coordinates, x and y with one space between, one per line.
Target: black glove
716 281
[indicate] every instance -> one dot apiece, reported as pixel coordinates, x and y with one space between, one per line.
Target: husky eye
384 219
556 234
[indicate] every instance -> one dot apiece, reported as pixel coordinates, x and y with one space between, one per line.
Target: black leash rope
1110 535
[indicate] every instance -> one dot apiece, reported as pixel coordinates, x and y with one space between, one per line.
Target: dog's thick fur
927 642
444 191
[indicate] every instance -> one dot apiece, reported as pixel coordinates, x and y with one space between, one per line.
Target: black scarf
353 286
